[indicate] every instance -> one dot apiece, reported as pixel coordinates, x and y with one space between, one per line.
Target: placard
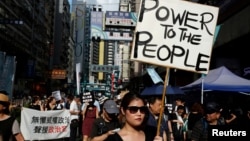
176 34
57 95
87 97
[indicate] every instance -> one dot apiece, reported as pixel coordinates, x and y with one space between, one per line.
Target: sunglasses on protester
135 109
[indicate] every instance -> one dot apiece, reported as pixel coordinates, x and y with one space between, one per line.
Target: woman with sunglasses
134 109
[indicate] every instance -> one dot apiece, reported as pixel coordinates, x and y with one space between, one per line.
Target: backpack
102 128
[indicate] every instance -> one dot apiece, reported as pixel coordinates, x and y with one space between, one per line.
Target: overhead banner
176 34
45 125
103 68
120 18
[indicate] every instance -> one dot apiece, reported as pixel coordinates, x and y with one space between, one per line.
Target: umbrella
158 89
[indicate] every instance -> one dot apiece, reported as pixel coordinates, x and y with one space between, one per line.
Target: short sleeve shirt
74 107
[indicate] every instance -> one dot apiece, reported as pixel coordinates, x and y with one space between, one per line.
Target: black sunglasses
134 109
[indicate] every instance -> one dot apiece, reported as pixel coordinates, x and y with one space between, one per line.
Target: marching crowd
131 118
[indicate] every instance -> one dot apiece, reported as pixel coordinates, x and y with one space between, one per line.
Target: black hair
180 99
126 100
130 97
152 99
35 98
180 107
50 99
70 97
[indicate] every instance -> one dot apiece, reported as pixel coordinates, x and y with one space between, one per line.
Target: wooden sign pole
163 100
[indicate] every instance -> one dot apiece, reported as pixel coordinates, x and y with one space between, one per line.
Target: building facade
37 33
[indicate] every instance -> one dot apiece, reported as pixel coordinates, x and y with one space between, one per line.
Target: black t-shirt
35 107
6 128
192 119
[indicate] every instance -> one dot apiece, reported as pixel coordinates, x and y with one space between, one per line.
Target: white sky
107 5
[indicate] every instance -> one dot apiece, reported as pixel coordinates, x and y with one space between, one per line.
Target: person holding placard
89 114
154 106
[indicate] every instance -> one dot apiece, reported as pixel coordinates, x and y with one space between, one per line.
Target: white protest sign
57 95
44 125
87 97
176 34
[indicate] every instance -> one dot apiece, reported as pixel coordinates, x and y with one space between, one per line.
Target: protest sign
57 95
176 34
45 125
87 97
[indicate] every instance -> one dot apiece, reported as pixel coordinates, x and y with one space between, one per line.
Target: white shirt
73 107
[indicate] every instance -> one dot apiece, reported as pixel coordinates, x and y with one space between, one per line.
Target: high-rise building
37 33
24 34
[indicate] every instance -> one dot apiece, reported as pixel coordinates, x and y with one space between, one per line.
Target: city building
37 34
111 34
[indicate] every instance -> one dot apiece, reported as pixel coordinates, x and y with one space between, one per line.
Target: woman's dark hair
197 107
70 97
50 99
126 100
130 97
35 98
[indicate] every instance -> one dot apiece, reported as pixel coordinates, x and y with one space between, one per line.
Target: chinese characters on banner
44 125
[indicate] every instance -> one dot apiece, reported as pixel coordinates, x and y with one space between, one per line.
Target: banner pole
202 89
163 100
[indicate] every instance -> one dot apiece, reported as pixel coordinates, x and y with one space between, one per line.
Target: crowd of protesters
131 117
